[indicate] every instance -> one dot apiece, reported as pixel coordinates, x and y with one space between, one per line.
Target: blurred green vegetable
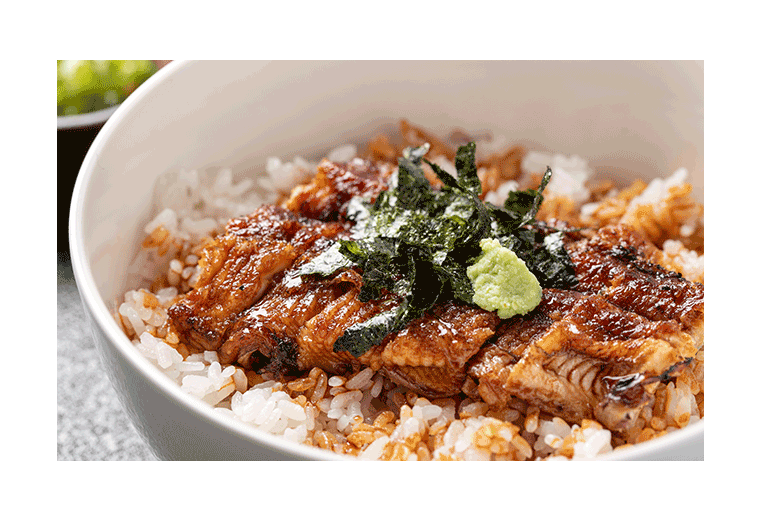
85 86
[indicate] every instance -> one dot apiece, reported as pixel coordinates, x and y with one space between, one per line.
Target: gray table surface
92 425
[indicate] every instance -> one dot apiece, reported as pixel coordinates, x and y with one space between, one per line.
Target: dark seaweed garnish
416 242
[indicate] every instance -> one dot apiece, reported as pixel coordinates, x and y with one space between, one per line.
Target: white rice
570 176
193 204
570 173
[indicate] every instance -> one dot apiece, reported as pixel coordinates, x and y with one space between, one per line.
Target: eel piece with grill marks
238 267
298 321
618 264
597 352
327 195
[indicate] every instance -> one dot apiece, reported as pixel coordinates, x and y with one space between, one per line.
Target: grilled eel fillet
298 321
248 304
597 352
326 197
594 352
239 266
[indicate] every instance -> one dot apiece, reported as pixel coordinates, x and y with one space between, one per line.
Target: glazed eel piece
597 352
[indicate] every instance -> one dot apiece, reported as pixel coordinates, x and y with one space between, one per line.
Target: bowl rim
102 317
658 445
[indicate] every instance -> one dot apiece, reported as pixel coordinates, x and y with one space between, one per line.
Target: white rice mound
365 415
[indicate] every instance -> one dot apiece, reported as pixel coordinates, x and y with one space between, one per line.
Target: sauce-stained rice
366 414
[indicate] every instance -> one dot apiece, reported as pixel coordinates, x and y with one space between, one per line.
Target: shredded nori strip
416 242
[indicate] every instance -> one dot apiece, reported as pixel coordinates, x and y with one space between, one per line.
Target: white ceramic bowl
622 116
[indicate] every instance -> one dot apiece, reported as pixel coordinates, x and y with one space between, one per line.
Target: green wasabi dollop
502 281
